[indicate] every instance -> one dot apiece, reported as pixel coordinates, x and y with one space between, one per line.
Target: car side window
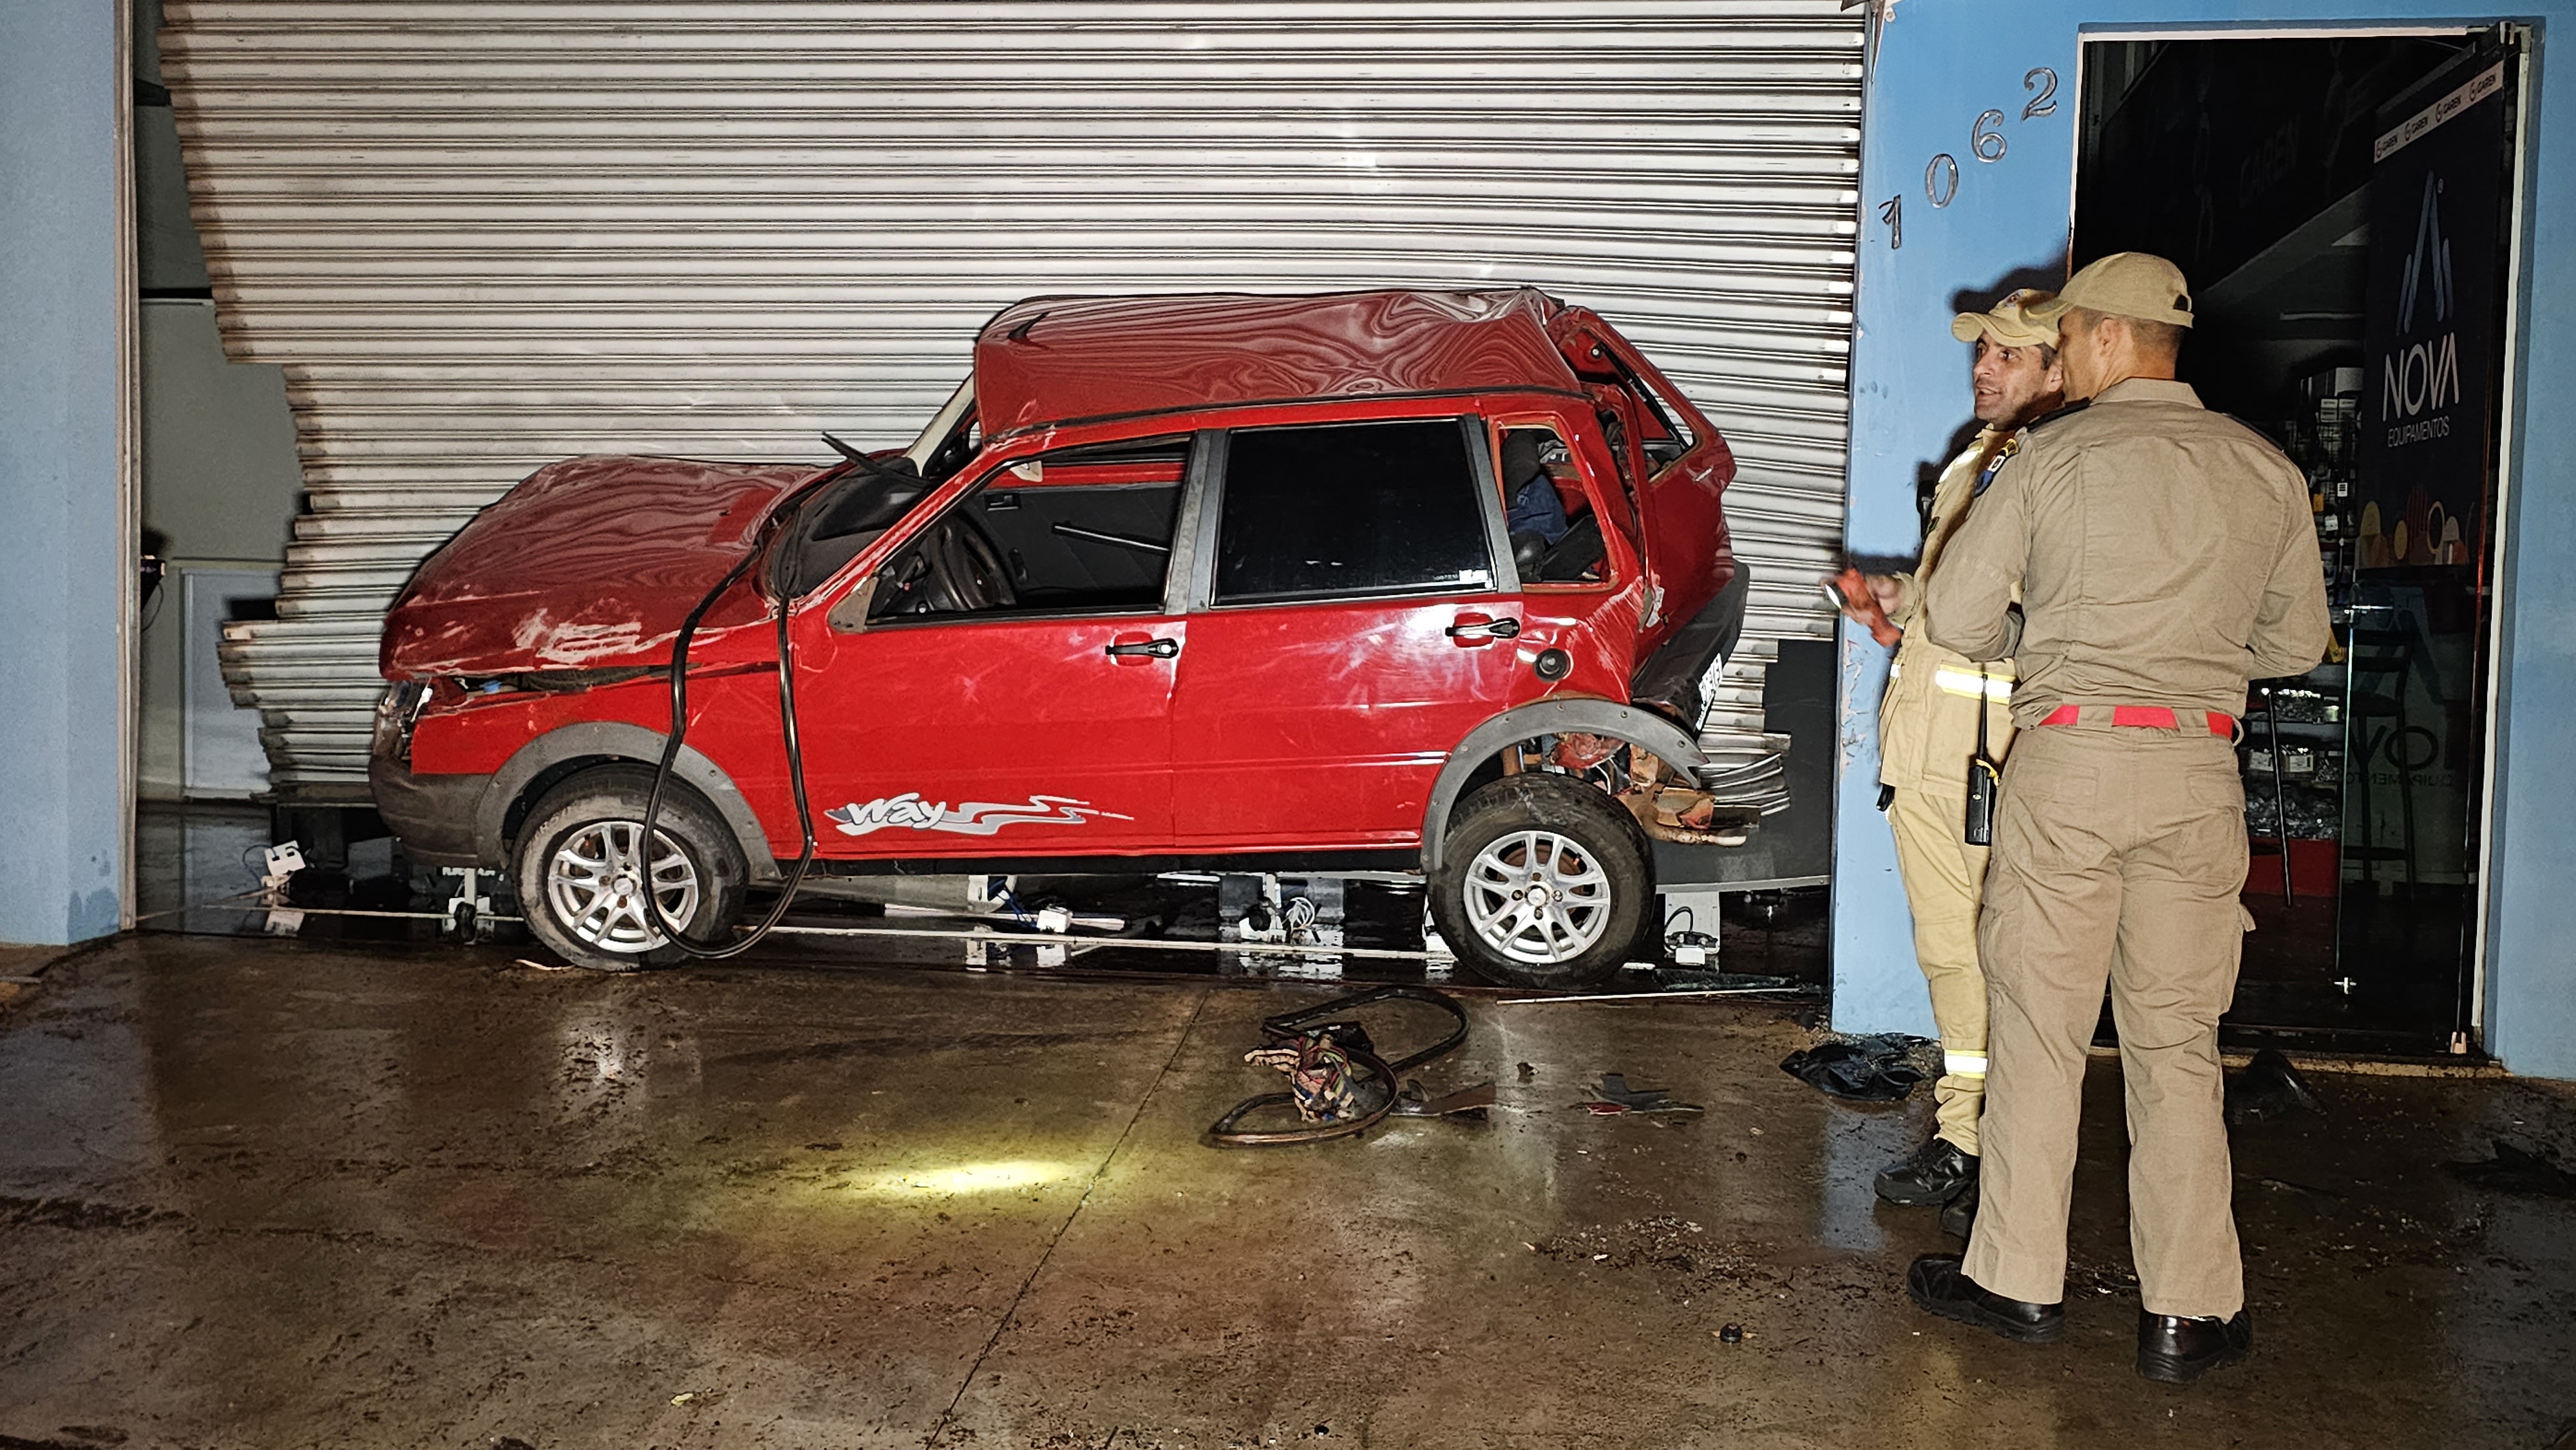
1084 531
1349 510
1554 529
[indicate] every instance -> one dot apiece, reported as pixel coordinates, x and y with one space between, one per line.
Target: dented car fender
605 741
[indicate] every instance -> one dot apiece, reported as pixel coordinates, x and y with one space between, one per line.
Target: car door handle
1476 629
1160 649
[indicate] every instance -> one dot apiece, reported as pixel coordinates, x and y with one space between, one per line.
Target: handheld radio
1985 780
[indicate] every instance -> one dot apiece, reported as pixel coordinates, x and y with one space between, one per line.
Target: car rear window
1350 509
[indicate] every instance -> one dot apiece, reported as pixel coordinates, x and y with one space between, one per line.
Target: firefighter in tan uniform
1927 727
2165 555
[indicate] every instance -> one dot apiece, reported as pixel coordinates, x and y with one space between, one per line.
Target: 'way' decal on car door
974 818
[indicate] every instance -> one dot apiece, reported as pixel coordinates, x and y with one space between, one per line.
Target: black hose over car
901 472
678 738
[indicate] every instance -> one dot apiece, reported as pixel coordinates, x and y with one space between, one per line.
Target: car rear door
1354 612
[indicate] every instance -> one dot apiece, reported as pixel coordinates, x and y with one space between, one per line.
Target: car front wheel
1543 882
583 876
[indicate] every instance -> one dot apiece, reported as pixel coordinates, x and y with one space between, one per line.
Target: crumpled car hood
590 563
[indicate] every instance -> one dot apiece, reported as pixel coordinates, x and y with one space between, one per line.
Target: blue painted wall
63 560
1939 64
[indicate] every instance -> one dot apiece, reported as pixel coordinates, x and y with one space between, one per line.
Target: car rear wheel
582 874
1543 882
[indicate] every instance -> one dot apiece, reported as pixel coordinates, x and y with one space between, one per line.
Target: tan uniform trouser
2118 853
1944 877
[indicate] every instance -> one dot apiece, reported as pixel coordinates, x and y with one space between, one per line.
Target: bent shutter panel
486 234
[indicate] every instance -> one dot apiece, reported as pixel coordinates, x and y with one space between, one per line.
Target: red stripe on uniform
2145 717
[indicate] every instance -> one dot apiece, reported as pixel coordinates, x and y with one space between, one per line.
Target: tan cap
2009 322
2127 284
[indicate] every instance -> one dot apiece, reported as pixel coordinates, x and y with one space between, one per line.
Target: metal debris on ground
1874 1069
278 865
1318 1065
1338 1082
2269 1087
1468 1102
1612 1095
2513 1170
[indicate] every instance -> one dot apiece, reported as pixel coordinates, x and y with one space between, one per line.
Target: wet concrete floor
269 1194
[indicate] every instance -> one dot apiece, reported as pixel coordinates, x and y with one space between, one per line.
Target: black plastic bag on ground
2269 1087
1864 1070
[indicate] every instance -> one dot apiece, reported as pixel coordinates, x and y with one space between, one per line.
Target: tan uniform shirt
1927 721
2165 555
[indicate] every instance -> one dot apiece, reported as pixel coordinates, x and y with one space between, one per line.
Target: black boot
1937 1283
1935 1174
1959 1215
2177 1350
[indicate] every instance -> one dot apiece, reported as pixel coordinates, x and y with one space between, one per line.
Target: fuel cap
1553 664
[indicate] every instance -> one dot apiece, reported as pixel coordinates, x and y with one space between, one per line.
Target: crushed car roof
1056 359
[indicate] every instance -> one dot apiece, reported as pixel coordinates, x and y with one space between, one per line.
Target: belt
2150 717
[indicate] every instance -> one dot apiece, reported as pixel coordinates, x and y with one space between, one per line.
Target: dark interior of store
2332 199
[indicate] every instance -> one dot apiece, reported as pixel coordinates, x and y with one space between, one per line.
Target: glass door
2424 521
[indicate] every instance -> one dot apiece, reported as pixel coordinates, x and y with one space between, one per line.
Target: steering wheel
972 568
968 570
956 570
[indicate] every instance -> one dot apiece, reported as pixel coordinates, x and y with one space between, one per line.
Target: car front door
1002 684
1357 611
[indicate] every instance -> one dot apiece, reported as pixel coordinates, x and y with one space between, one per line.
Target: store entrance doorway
2343 205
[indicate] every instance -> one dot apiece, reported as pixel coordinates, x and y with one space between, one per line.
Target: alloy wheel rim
595 886
1538 897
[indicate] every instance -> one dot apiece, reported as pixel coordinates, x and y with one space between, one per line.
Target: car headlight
397 709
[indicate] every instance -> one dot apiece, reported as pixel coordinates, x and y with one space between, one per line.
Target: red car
1387 580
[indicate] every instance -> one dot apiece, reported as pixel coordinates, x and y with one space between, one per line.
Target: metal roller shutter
485 234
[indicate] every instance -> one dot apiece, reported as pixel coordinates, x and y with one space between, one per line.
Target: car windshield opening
949 440
849 514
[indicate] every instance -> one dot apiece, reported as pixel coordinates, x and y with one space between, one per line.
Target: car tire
1592 857
572 870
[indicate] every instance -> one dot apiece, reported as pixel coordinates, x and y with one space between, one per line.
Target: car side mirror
850 615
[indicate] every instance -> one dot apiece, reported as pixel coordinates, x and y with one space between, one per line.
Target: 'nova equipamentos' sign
2430 361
